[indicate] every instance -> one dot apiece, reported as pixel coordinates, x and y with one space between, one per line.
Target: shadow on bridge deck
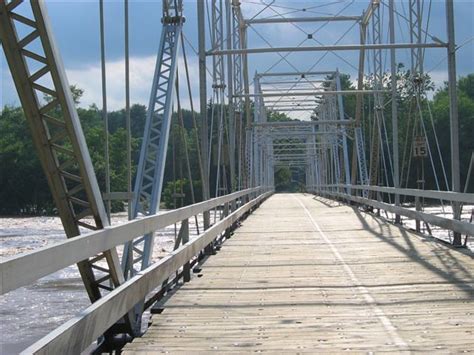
305 274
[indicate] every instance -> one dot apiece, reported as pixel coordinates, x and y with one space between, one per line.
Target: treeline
24 188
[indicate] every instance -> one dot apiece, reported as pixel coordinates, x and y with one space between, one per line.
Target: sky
76 30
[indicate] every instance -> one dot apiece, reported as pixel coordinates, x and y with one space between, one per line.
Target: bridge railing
386 197
81 331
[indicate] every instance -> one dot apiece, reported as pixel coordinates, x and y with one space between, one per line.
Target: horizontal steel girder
315 93
342 47
261 21
301 123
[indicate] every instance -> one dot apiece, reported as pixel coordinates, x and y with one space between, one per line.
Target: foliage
289 179
282 178
177 193
274 116
24 187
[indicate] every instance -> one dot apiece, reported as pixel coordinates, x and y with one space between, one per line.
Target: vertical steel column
184 231
332 114
218 84
343 133
415 17
414 7
270 158
378 104
310 158
203 106
453 113
358 151
258 117
245 71
151 166
232 116
127 112
238 89
358 155
393 73
105 116
249 132
316 161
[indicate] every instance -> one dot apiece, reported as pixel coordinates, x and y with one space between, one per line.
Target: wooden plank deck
304 274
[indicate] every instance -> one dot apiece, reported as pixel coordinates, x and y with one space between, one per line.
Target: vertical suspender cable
104 107
127 113
195 126
186 150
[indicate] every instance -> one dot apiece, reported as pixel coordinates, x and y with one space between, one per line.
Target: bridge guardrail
78 333
338 191
23 269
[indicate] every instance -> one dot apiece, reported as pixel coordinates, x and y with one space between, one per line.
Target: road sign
420 150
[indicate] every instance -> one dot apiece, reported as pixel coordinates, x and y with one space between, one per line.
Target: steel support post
393 73
453 113
218 83
237 77
105 117
378 105
201 17
232 115
151 165
128 126
332 114
415 17
343 133
249 156
245 70
358 151
316 160
184 232
256 159
416 20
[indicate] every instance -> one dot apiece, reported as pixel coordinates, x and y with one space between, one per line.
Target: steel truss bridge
340 160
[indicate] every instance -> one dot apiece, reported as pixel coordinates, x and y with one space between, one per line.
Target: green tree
24 188
282 178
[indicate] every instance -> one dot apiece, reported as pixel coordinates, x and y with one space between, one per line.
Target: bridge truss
340 156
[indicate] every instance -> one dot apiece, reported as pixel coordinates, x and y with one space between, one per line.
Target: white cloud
141 76
438 78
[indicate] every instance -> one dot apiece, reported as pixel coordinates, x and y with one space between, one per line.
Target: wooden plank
280 285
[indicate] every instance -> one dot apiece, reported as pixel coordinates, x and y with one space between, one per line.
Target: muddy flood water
29 313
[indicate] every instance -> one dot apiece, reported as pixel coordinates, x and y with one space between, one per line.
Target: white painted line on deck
387 324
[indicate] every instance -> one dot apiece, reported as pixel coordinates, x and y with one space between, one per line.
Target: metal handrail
78 333
433 194
446 223
23 269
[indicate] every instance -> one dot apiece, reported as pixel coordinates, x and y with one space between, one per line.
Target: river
31 312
